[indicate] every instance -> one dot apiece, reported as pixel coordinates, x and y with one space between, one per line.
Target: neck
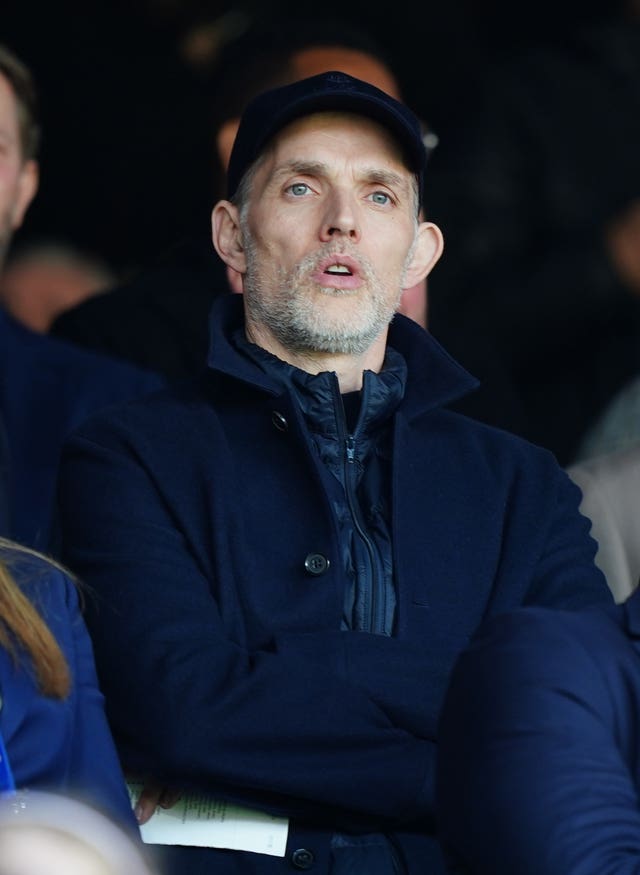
348 368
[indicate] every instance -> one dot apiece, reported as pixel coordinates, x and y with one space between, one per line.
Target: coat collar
434 377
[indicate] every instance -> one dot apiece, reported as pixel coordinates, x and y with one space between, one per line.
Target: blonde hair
22 628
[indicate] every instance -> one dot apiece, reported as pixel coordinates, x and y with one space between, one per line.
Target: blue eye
299 188
381 198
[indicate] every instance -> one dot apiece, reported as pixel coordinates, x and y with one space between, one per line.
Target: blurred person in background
44 278
538 194
618 426
47 386
610 485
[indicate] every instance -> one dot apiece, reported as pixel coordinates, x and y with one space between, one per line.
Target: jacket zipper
375 596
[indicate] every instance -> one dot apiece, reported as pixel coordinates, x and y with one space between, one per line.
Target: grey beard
299 334
294 321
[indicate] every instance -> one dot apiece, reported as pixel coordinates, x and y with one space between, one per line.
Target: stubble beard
294 313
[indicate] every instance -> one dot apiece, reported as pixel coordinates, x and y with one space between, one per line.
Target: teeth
338 268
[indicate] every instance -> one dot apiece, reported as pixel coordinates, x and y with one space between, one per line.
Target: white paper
197 819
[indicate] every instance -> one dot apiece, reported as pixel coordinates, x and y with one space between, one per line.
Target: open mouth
338 270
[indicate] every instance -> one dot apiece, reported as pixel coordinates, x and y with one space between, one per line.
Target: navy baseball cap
270 111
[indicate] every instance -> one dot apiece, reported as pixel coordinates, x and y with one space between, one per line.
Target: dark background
126 153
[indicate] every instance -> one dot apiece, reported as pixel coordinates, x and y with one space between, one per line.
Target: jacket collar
434 377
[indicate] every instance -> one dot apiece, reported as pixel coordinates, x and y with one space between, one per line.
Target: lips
339 265
338 272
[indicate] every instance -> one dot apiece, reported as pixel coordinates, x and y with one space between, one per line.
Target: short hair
22 83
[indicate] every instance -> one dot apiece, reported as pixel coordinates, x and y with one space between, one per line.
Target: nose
341 217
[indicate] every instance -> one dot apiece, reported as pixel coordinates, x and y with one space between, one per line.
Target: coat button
316 563
302 859
279 420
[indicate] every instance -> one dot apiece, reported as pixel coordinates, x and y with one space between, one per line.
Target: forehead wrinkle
384 177
371 174
302 167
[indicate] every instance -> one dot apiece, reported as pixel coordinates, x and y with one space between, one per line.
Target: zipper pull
351 449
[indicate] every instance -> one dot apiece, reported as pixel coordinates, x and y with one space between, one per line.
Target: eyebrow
374 175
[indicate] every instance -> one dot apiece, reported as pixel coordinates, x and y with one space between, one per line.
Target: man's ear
226 235
27 188
427 250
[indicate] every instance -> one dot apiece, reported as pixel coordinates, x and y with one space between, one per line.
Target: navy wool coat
192 515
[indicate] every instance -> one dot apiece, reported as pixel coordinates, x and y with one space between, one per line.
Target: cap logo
337 81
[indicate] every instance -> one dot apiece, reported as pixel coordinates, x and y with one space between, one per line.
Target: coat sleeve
265 727
548 542
535 774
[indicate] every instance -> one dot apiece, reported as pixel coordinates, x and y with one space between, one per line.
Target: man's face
18 178
329 234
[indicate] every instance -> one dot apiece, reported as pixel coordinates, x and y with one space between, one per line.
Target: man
540 769
288 552
47 386
159 318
